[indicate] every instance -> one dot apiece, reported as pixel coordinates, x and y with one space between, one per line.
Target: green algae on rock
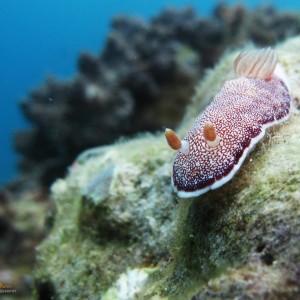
115 216
109 217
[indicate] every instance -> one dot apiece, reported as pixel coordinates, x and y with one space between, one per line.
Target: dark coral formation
141 81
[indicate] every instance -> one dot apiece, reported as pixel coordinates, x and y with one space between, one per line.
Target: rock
116 217
22 227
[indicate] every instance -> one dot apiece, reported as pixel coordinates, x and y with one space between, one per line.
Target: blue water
41 38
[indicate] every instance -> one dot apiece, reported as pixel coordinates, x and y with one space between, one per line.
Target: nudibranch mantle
234 122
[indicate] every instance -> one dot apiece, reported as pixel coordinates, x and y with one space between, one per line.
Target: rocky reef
117 231
22 227
141 81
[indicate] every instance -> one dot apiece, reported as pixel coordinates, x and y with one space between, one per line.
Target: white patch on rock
128 285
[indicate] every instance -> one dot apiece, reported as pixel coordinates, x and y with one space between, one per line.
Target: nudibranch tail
210 135
256 63
175 143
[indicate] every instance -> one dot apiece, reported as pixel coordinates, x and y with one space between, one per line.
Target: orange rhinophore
209 133
175 143
172 139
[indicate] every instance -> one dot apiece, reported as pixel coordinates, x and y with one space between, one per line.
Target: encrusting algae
116 218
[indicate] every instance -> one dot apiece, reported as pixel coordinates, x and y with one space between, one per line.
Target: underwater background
39 39
87 210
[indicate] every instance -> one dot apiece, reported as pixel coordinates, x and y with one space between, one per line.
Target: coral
115 217
141 81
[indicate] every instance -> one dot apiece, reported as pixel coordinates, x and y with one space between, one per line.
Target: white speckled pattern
241 112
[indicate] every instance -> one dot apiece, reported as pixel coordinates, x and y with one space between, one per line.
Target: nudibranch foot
236 120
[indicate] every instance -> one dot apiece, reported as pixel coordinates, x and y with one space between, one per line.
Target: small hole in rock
4 228
260 247
268 259
45 291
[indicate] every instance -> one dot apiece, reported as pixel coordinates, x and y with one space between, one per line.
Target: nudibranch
237 118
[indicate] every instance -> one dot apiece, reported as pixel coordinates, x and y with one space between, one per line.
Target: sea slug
237 118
